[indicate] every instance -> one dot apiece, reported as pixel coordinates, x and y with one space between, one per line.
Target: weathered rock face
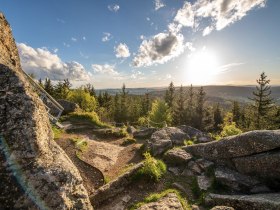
68 106
170 201
199 136
36 172
253 202
249 143
144 133
177 156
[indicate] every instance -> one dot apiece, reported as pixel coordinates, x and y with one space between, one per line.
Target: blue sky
147 43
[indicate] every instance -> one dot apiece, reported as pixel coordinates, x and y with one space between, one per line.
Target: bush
230 130
160 114
188 142
156 196
90 117
153 168
83 99
57 132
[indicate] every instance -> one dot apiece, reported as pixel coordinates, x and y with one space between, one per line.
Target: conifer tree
48 86
236 112
123 105
190 107
179 108
200 111
218 118
160 114
170 96
262 102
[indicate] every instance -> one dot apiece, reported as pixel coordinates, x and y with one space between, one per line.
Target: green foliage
128 141
218 118
83 99
179 108
62 89
160 114
57 132
156 196
230 130
107 179
170 96
80 144
153 168
90 117
188 142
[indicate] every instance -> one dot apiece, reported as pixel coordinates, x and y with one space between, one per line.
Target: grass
57 132
188 142
80 144
153 169
128 141
156 196
90 117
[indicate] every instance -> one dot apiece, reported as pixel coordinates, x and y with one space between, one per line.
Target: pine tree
124 105
41 83
146 104
179 108
48 86
190 107
262 102
117 108
170 96
200 111
236 112
89 88
62 89
218 118
160 114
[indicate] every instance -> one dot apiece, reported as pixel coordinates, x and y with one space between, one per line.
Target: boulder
204 182
165 139
264 165
177 156
237 181
197 135
130 129
144 133
270 201
34 171
68 106
169 201
237 146
222 208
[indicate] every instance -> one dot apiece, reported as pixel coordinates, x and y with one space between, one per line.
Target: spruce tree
190 107
48 86
262 102
218 118
179 109
236 112
170 96
124 105
200 111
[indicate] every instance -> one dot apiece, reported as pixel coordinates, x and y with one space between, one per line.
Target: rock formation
35 172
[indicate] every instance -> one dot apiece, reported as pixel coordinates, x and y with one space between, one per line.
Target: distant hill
215 94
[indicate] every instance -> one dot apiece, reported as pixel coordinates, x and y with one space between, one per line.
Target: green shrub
83 99
230 130
80 144
90 117
128 141
188 142
156 196
57 132
152 168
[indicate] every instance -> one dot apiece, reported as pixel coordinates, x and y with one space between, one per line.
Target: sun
203 67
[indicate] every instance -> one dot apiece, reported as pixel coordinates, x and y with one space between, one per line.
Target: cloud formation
122 51
159 49
218 13
106 37
113 7
158 4
43 63
104 69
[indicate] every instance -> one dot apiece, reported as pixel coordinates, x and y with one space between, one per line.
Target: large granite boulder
165 139
237 146
68 106
269 201
144 133
169 201
34 171
177 156
195 134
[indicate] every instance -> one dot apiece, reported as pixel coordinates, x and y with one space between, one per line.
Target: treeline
176 107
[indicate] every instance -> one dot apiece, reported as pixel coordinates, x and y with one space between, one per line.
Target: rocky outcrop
169 201
240 202
68 106
165 139
36 172
177 156
144 133
249 143
195 134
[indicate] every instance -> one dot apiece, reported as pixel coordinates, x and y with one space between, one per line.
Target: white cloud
113 7
44 64
60 20
122 51
137 75
84 38
142 37
73 39
55 50
158 4
229 66
148 19
219 13
160 49
104 69
66 45
185 15
106 37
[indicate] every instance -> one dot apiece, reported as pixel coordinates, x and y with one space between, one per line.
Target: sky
147 43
